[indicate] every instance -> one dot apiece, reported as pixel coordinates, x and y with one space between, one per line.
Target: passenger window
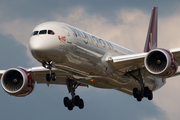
51 32
35 33
43 32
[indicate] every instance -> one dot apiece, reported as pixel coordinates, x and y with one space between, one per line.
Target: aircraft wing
131 62
128 62
1 72
39 75
176 53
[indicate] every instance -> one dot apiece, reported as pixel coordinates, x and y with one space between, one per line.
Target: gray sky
120 21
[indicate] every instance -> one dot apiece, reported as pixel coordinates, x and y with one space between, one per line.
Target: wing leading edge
131 62
128 62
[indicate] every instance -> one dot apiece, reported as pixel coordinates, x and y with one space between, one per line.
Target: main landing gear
76 100
144 92
50 75
71 85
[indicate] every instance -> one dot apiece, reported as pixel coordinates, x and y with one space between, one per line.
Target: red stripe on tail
151 40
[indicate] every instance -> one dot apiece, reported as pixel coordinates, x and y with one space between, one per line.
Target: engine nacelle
161 62
17 82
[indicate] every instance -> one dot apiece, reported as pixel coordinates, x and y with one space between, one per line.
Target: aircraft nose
37 45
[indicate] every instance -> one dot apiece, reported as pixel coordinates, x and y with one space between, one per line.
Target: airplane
74 57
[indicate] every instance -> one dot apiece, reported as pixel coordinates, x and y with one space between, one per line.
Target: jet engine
17 82
161 62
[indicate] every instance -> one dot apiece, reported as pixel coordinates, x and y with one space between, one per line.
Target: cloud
168 96
21 30
128 27
12 53
169 31
128 30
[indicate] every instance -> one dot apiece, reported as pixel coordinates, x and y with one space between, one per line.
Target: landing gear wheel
81 105
135 92
139 98
146 91
70 106
53 76
77 100
150 97
66 101
48 77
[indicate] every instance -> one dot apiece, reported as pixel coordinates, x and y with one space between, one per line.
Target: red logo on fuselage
62 39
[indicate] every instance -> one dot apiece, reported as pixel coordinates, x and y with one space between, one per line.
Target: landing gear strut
50 75
76 100
144 92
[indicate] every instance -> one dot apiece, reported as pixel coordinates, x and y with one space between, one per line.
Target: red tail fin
151 40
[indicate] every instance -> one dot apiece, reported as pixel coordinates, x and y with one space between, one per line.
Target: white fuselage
84 56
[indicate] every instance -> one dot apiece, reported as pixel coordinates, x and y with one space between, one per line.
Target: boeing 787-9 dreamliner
73 57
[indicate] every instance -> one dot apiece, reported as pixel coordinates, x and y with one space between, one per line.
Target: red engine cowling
17 82
161 62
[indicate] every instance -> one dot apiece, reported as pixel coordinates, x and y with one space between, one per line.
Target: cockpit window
51 32
35 33
43 32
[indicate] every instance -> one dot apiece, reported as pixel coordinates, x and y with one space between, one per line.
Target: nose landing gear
50 75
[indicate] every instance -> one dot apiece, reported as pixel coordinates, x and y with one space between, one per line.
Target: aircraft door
67 34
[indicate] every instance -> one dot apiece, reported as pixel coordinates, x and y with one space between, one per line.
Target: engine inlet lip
23 76
167 58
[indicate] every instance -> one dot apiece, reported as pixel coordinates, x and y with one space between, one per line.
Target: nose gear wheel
49 76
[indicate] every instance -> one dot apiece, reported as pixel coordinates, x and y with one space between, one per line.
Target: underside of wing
39 74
